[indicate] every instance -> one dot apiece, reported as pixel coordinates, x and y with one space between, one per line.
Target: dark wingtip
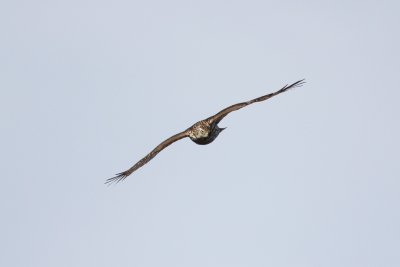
301 82
298 83
293 85
116 179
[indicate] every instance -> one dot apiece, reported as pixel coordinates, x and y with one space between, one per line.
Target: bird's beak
223 129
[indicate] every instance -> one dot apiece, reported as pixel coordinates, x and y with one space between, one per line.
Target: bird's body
202 132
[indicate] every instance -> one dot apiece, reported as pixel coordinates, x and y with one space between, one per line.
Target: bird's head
204 137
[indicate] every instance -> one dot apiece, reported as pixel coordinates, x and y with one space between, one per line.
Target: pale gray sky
309 178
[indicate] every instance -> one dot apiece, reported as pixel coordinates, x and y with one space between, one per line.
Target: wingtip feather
293 85
117 178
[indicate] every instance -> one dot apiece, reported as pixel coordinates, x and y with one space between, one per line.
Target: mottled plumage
202 132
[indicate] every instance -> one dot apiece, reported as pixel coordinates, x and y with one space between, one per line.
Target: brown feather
220 115
122 175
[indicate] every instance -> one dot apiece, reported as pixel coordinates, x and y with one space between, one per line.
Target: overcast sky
308 178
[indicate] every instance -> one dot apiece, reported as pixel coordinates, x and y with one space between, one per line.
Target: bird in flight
202 132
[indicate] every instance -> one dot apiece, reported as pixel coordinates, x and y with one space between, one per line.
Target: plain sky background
308 178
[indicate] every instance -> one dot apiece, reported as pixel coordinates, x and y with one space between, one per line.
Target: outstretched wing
220 115
122 175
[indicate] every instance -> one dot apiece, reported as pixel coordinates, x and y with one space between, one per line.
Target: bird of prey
202 132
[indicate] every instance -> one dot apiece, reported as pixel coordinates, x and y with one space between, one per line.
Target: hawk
202 132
